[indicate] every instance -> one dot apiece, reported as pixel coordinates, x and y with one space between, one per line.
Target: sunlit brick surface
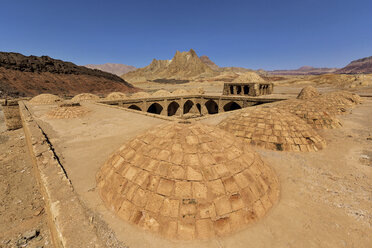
161 93
308 92
116 96
188 181
315 113
67 112
85 97
45 99
274 129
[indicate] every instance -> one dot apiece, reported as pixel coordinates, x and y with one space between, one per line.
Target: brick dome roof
187 181
273 128
45 99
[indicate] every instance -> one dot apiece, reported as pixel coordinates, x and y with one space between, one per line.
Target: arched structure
135 107
211 106
173 108
198 106
155 108
231 106
187 106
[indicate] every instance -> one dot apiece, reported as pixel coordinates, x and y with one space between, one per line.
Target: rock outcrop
206 60
31 75
183 66
363 66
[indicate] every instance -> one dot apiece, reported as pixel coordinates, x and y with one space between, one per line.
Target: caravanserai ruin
178 167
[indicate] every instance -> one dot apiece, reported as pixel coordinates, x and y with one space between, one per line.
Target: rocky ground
23 221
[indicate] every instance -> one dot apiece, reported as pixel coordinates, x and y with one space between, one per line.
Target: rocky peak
182 66
206 60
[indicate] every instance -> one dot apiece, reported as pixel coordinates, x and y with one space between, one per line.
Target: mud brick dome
274 129
141 94
180 92
308 92
85 97
161 93
339 101
45 99
116 96
187 181
314 113
67 110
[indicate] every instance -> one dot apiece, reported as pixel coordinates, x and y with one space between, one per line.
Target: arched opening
231 106
135 107
199 107
155 108
172 108
212 107
239 90
246 90
187 106
231 89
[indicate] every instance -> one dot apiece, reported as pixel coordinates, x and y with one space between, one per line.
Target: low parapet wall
69 224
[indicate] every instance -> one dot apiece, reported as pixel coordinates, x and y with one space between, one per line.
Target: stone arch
231 106
172 108
211 106
187 106
198 106
135 107
155 108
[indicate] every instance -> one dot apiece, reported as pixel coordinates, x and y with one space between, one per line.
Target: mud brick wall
11 114
67 217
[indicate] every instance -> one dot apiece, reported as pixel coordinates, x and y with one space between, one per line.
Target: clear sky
253 34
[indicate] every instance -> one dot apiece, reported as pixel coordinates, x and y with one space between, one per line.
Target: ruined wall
11 114
67 217
248 89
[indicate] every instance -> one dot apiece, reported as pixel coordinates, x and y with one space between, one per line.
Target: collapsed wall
11 114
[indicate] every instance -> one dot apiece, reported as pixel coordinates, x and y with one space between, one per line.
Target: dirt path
22 217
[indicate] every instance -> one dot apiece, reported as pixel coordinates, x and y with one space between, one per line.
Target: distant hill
205 59
117 69
31 75
183 66
304 70
363 65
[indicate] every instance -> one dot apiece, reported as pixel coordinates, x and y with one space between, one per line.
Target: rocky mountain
117 69
206 60
183 66
31 75
363 66
304 70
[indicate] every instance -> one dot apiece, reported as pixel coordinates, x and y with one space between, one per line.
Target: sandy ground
326 197
22 216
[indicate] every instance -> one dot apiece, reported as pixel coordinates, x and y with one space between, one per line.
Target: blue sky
253 34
